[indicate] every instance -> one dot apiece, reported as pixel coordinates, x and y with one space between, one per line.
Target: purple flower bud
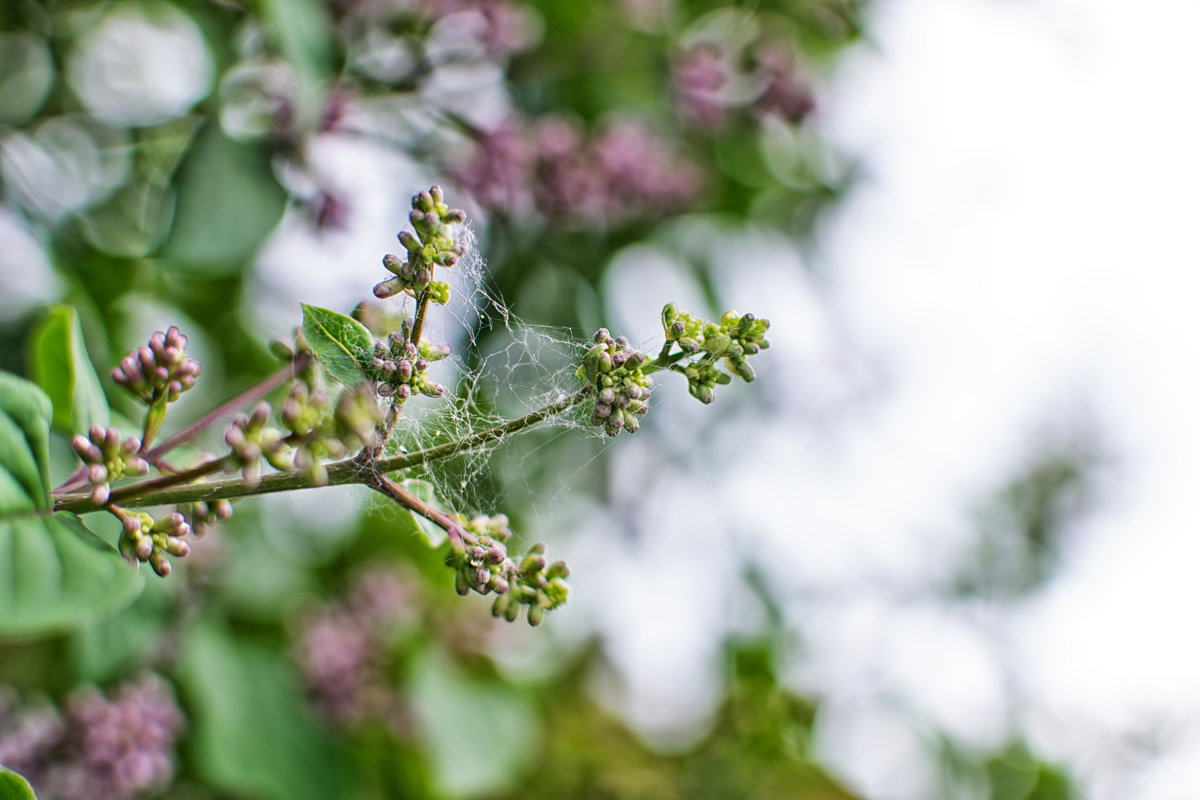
403 391
158 561
97 473
613 424
410 242
385 389
496 554
421 365
387 288
393 264
423 277
132 525
177 547
144 547
158 341
601 336
136 465
130 446
100 494
146 357
97 435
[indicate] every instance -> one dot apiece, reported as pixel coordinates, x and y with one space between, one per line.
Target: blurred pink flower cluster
343 649
553 168
712 83
100 747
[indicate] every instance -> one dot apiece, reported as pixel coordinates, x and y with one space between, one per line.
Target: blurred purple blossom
697 78
785 93
622 172
101 747
343 648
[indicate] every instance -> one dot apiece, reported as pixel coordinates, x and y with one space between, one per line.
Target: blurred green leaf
228 202
341 343
60 365
14 787
301 30
478 733
55 574
251 733
24 446
103 652
424 491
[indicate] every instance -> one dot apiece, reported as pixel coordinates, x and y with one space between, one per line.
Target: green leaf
461 714
251 733
14 787
60 365
424 492
24 446
301 30
55 575
228 202
342 344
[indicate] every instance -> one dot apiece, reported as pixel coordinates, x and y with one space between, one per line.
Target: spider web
500 368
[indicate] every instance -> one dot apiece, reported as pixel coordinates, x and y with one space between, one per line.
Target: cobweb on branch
500 368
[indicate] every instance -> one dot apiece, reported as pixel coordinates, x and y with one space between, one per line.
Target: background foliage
333 659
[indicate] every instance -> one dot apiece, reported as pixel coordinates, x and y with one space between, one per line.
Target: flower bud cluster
314 431
108 459
148 540
433 246
538 586
96 747
202 515
703 377
735 339
481 564
250 440
399 367
682 328
614 370
159 369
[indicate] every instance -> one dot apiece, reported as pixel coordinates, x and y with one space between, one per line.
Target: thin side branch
179 488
